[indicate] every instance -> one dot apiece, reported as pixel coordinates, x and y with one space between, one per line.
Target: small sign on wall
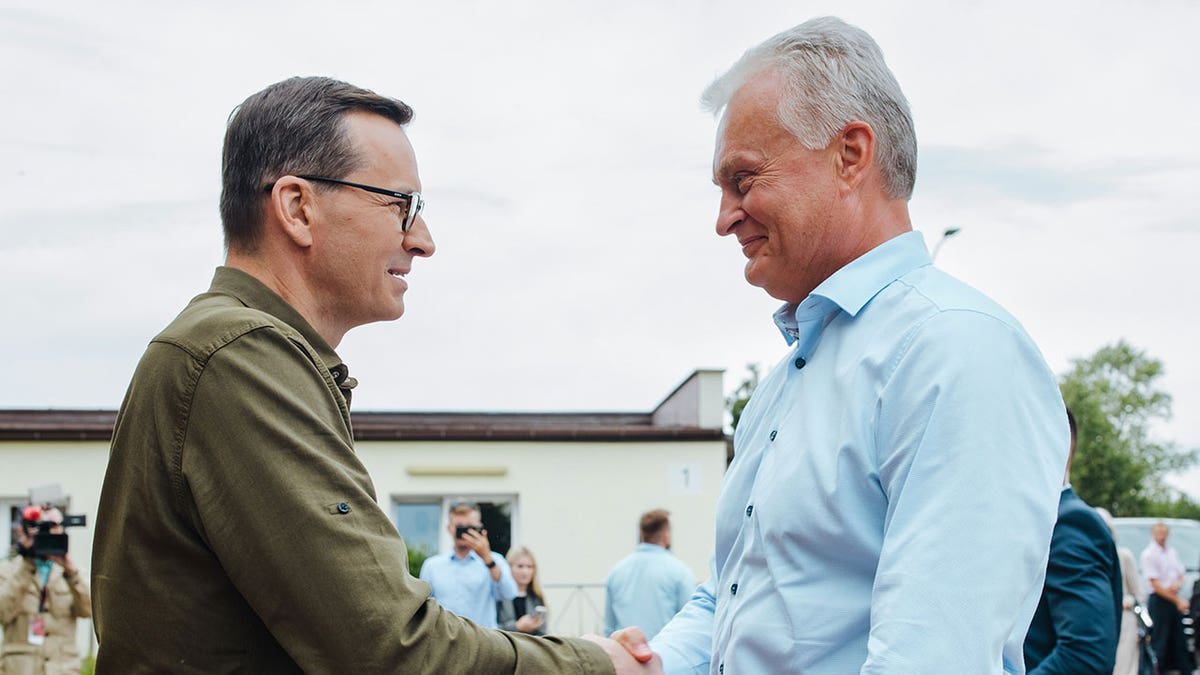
684 479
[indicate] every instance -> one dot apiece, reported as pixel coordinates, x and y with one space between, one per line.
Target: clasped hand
629 652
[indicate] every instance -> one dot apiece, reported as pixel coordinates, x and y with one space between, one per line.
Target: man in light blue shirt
470 579
649 585
896 476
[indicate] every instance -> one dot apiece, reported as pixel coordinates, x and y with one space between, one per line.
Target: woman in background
526 612
1127 636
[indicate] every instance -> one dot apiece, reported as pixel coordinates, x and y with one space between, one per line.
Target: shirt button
749 510
800 363
773 432
343 507
733 589
721 669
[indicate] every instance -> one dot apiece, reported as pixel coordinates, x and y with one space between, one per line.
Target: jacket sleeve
273 485
1079 595
15 576
81 596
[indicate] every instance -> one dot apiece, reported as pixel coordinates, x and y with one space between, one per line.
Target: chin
390 313
758 280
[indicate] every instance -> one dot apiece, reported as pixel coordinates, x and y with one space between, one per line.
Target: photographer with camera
470 579
42 593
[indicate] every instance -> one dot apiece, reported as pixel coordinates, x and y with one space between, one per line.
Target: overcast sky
566 164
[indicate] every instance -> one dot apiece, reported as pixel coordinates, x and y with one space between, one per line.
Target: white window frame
7 524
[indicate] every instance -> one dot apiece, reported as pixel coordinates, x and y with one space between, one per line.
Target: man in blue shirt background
470 579
896 476
649 585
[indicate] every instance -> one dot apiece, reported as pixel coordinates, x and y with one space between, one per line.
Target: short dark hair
653 524
291 127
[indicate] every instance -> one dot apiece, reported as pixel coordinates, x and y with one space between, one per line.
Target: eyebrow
725 170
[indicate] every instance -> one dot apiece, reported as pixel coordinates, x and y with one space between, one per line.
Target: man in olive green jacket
237 530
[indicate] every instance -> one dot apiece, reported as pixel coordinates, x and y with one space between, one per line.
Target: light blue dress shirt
646 589
894 488
465 586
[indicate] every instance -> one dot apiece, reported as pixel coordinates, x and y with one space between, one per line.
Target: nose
730 213
418 241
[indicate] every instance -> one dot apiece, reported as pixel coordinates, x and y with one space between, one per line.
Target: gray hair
833 74
291 127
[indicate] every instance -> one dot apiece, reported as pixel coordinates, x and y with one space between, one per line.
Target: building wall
76 465
576 504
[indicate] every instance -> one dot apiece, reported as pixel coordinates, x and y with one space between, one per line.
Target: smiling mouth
397 273
750 244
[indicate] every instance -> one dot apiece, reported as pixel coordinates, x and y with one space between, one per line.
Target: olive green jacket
238 532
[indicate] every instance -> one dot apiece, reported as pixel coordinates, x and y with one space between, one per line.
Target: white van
1184 537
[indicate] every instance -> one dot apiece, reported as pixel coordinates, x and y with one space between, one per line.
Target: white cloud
566 163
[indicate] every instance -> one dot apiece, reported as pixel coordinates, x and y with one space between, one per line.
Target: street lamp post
946 234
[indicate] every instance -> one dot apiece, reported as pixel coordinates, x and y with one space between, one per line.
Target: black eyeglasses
413 201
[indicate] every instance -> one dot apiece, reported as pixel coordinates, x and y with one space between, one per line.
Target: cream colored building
570 486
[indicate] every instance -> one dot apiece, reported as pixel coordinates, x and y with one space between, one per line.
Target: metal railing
575 608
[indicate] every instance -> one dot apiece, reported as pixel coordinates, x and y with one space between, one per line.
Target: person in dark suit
1075 628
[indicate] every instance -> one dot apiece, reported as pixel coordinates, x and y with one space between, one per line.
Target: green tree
416 557
1115 398
736 402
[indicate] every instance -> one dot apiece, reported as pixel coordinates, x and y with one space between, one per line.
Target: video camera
49 537
47 542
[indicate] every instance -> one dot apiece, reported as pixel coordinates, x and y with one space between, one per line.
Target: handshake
629 651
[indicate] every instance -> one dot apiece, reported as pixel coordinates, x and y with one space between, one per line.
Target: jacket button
343 507
749 510
773 432
800 363
733 589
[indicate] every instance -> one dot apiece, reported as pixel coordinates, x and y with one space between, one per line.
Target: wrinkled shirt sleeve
971 449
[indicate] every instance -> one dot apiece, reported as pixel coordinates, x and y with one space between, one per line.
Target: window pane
419 524
497 520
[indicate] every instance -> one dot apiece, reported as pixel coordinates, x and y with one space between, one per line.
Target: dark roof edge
97 425
593 435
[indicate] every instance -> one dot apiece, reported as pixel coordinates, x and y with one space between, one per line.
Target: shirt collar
852 287
646 546
254 294
470 554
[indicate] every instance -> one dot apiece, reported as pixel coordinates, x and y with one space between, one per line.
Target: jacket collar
254 294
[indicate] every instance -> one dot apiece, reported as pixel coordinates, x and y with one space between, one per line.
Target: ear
855 153
292 207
